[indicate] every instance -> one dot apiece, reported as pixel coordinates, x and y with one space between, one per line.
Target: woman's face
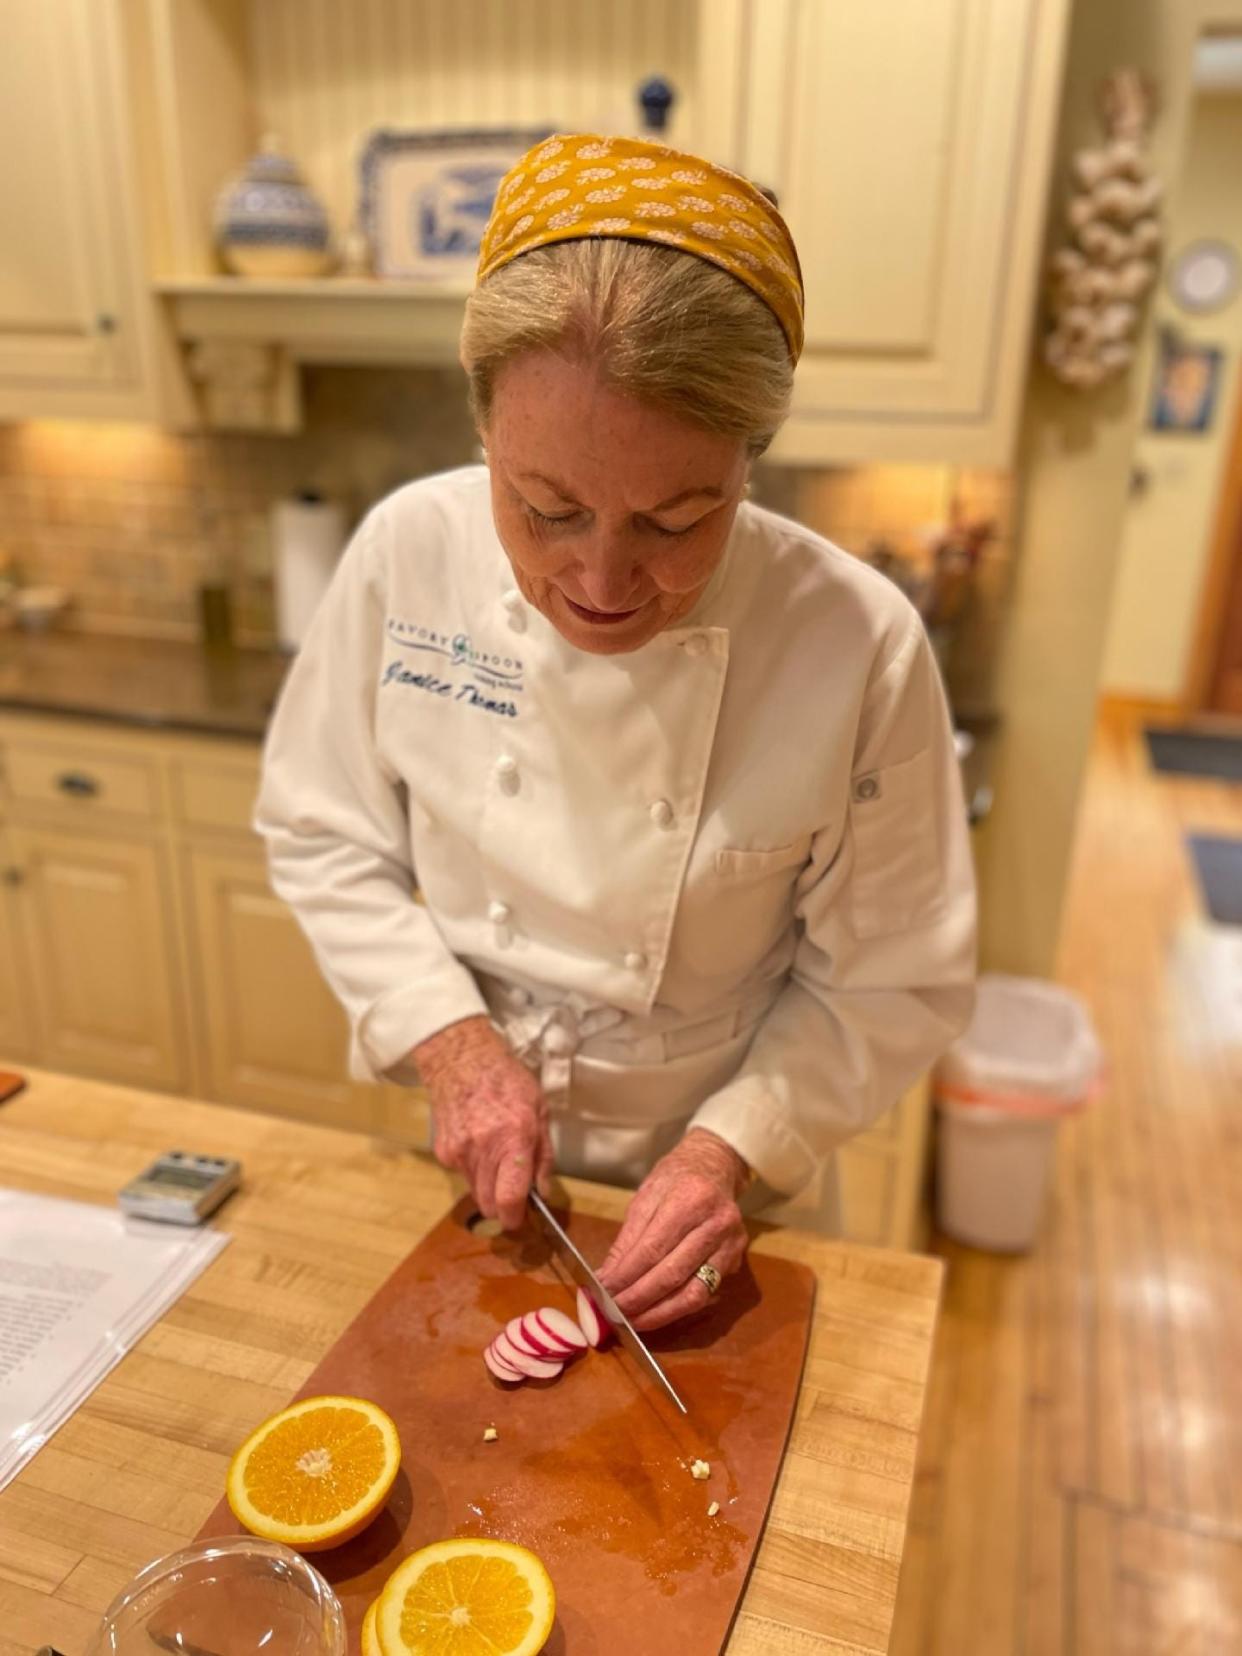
613 514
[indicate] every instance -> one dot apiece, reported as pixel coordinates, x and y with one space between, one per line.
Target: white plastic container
1029 1058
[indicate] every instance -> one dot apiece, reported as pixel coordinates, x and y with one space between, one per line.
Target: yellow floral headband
577 185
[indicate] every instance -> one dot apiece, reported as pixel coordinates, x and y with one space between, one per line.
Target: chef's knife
586 1278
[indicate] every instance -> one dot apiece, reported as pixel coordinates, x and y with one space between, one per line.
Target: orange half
315 1474
471 1596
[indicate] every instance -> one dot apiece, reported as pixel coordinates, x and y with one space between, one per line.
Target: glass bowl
231 1596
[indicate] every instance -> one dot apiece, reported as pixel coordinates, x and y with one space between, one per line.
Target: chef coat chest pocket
740 906
895 882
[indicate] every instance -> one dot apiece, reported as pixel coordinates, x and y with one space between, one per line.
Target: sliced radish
538 1330
535 1368
562 1328
509 1370
501 1370
526 1341
591 1320
550 1345
505 1362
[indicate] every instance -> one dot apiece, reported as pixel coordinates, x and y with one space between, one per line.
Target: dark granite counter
138 681
157 686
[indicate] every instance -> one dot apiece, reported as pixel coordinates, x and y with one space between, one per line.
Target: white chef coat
722 880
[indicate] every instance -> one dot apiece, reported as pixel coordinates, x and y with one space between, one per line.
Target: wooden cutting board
592 1470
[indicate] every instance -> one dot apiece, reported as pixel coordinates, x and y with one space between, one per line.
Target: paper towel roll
308 535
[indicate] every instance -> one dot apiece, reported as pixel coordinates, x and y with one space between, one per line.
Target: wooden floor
1080 1489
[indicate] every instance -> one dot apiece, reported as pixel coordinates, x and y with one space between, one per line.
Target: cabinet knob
105 323
12 876
77 784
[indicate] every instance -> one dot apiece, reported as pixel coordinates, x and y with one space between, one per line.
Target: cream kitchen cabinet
910 145
146 942
75 333
96 928
882 1177
274 1036
16 1016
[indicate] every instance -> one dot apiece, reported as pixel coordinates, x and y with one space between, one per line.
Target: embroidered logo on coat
489 667
460 670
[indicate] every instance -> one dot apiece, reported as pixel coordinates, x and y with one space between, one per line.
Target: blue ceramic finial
655 97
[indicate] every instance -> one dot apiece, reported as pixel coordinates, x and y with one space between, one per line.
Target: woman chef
674 775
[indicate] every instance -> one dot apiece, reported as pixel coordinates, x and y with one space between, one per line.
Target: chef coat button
558 1042
635 961
512 601
507 771
519 998
868 787
696 645
661 813
499 914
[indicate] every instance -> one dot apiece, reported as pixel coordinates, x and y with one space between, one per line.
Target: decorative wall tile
131 519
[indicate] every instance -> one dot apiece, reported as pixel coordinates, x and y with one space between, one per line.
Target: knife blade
586 1278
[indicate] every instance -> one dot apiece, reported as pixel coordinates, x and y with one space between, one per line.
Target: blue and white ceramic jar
269 223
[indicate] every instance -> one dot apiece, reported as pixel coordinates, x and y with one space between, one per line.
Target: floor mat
1196 753
1218 863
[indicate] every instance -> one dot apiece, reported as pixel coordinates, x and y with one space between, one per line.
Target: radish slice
535 1368
502 1371
510 1371
562 1328
504 1361
538 1330
530 1343
591 1322
550 1345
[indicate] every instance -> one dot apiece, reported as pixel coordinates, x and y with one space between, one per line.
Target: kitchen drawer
79 782
219 797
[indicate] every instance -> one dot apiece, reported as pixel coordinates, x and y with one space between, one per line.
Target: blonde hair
665 326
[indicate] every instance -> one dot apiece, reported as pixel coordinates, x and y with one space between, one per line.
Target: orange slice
315 1474
466 1597
370 1638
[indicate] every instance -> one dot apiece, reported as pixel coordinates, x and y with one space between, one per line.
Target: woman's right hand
491 1121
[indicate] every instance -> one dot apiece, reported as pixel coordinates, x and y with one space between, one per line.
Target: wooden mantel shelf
328 319
244 342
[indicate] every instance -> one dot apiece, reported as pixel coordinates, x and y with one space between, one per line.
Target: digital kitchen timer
181 1189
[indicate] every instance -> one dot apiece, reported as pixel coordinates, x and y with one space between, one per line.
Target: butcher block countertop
323 1219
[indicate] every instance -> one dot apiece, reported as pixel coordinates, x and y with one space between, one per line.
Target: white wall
1168 529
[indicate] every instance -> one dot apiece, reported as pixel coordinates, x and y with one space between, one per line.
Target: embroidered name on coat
433 685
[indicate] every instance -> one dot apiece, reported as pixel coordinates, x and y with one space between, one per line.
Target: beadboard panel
326 74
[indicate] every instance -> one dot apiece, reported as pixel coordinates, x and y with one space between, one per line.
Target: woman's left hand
683 1215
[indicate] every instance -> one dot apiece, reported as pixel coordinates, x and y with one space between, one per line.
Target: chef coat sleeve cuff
747 1117
400 1021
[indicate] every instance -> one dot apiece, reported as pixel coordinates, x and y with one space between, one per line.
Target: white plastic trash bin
1029 1058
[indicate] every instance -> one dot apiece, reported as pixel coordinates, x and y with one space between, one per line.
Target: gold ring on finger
709 1276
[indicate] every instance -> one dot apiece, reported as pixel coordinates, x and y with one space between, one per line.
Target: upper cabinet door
68 295
909 143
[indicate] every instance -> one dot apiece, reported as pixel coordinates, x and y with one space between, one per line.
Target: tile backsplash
904 507
130 519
